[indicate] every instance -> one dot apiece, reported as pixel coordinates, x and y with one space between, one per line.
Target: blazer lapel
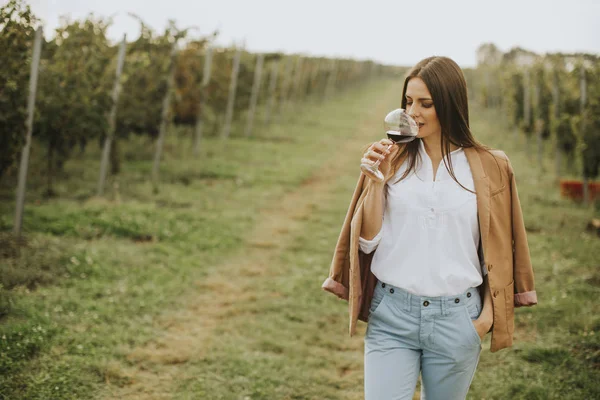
482 189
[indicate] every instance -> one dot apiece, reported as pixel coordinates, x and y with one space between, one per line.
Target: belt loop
444 308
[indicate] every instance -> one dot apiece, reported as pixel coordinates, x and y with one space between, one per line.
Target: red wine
400 137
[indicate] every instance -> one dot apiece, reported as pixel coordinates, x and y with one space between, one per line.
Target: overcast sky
389 31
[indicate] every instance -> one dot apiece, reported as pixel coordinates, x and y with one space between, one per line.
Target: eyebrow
420 98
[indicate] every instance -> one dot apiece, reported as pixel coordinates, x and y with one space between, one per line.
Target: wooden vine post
285 87
557 110
255 90
538 122
164 120
329 89
231 98
202 101
112 119
297 79
527 106
20 203
272 94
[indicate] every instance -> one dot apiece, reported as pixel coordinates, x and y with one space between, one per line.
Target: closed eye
408 103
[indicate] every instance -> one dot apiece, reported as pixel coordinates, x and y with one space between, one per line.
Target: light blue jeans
408 334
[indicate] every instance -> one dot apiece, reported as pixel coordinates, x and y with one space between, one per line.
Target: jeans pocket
469 319
474 310
378 296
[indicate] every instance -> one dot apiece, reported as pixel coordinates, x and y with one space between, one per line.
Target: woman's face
419 105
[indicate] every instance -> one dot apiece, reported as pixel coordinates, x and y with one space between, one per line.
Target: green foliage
77 73
543 99
74 88
591 125
568 107
491 90
188 78
144 82
513 91
16 42
218 87
553 75
528 125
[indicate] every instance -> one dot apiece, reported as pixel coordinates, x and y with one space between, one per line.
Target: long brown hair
448 88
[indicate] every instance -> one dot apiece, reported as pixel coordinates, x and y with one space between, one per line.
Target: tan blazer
503 238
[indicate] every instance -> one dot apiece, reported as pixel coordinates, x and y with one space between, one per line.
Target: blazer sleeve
525 294
338 281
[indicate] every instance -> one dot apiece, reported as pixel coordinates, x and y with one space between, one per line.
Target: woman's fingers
372 154
378 150
381 147
365 160
394 150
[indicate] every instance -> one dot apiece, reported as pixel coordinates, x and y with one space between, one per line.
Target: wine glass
400 128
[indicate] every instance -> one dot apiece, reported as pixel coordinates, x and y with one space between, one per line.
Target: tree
16 41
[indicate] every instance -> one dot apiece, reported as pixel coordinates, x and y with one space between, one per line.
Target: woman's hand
379 151
483 325
484 322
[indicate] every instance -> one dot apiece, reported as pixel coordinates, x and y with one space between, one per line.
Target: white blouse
429 243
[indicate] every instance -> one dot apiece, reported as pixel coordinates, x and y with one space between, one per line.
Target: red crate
574 189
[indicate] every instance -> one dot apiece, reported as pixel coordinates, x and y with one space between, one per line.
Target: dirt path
187 332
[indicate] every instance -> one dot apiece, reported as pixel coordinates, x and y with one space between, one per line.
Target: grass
210 288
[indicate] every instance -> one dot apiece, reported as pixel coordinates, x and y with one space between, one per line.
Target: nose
411 111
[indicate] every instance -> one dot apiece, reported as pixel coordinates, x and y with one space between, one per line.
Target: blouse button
425 303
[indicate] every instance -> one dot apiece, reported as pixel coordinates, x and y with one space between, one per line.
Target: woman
435 256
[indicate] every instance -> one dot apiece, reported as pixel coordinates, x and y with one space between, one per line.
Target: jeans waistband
440 303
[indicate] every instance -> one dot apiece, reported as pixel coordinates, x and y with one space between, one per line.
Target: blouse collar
423 152
426 163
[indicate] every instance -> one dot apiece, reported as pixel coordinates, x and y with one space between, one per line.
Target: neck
432 146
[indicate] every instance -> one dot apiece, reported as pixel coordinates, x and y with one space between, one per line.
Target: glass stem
379 161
